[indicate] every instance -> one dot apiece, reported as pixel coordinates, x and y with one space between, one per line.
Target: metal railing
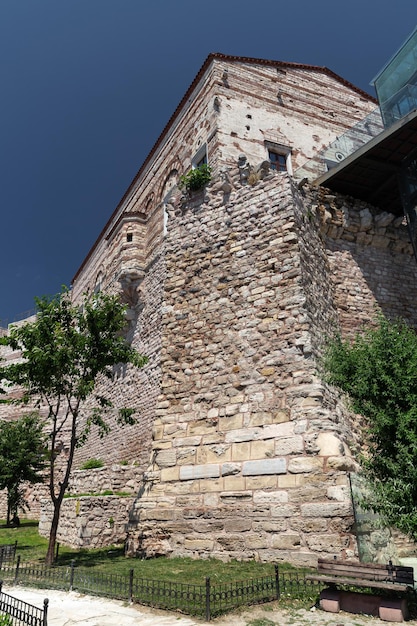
22 612
205 600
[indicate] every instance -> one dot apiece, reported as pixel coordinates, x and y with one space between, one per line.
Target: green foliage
196 178
92 464
378 371
65 351
22 458
5 620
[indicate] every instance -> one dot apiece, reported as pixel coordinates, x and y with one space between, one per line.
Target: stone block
305 465
234 483
288 481
242 434
232 422
261 482
262 449
286 542
266 466
170 473
211 485
330 600
230 469
329 445
240 451
199 544
256 542
270 497
192 472
393 609
166 458
289 445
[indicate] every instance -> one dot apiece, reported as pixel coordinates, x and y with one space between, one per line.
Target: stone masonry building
241 449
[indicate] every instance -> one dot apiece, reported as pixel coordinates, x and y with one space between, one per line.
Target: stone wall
88 522
251 450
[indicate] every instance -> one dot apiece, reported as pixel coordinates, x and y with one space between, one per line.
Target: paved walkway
70 609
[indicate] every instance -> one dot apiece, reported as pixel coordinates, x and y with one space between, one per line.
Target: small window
278 161
279 157
129 237
200 158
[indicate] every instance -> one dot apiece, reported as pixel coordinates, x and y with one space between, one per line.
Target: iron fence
205 600
22 613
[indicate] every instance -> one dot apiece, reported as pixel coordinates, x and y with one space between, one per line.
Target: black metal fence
22 613
205 600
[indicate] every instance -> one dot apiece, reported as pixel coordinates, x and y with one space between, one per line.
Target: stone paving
70 609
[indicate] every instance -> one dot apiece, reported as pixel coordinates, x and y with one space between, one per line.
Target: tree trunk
50 555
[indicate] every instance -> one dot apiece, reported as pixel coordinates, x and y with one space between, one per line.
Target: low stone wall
88 521
115 477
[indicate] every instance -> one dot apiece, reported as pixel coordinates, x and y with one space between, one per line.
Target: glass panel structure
396 83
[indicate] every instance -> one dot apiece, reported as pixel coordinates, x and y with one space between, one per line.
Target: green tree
378 371
66 351
22 459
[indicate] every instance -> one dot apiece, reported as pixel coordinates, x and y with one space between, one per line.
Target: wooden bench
8 552
372 575
388 577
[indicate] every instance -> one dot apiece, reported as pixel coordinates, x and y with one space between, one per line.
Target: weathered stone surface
305 465
191 472
267 466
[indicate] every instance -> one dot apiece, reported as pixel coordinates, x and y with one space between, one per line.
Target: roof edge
210 58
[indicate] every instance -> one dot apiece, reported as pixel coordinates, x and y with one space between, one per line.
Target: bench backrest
367 571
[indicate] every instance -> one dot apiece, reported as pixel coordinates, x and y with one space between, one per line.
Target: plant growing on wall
22 459
378 370
64 353
196 178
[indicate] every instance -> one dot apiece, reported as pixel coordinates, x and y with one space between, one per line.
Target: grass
32 548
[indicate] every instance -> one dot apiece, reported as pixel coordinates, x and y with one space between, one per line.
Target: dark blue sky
88 85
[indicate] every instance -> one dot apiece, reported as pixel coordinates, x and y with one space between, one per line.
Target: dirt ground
68 609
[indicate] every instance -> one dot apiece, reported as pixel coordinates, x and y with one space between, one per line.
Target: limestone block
236 496
286 429
240 451
338 492
324 509
283 510
211 500
329 445
305 465
180 442
237 525
308 525
232 542
256 542
271 526
266 466
232 422
229 469
342 463
170 473
208 526
262 449
288 481
285 541
211 485
260 419
327 543
262 482
282 416
289 445
166 458
199 544
270 497
309 493
218 452
192 472
201 427
234 483
242 434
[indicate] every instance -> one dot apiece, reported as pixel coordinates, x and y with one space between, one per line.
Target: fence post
277 582
131 586
72 574
207 598
1 585
45 612
56 550
16 574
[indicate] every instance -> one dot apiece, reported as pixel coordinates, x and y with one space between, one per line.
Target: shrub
92 464
196 178
6 620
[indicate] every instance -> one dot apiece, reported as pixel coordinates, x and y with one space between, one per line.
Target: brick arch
171 172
